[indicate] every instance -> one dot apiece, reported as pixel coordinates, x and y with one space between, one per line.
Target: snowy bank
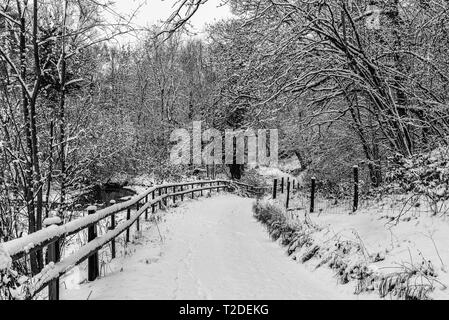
403 260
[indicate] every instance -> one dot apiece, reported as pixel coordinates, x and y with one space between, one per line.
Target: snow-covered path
212 249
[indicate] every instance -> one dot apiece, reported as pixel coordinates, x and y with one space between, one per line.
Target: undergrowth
348 259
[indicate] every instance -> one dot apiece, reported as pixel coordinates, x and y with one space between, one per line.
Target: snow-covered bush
254 178
266 211
10 281
424 174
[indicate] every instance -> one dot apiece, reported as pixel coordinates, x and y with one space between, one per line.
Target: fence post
146 211
288 195
138 218
160 201
356 189
93 270
182 195
112 227
312 195
275 188
282 185
53 255
201 186
174 197
153 207
128 216
193 192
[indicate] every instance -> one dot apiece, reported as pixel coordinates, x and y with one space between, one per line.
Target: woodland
346 82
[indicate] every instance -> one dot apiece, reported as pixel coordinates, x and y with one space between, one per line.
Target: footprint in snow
150 260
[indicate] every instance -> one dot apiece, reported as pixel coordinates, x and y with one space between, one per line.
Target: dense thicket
364 79
347 81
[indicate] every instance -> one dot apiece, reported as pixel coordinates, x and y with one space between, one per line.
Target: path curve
213 249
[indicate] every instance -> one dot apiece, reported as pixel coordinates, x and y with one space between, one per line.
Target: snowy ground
210 249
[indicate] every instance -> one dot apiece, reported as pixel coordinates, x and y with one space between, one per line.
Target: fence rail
50 236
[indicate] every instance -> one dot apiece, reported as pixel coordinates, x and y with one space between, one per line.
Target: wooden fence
294 185
50 237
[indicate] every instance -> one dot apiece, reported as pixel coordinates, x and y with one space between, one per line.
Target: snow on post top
91 208
51 221
5 259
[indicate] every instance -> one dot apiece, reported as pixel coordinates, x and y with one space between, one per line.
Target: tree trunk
37 183
28 185
62 138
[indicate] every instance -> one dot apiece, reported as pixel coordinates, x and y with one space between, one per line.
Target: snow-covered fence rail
50 236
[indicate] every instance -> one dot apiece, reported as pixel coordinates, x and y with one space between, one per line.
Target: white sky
154 11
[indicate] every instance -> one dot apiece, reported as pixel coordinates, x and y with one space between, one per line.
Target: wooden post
160 202
112 227
128 216
288 195
282 185
275 188
153 207
356 189
138 218
312 195
165 198
93 268
201 185
174 197
193 192
53 255
146 211
182 196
